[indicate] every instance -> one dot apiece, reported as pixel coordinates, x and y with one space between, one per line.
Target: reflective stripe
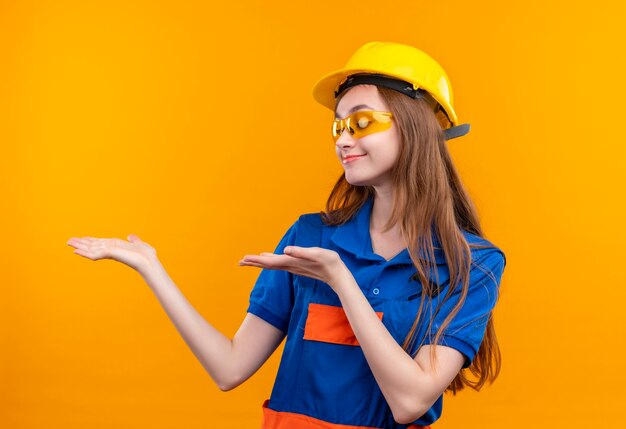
283 420
330 324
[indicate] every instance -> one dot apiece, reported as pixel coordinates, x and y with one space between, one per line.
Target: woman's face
379 150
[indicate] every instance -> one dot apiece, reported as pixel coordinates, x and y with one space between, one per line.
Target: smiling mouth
351 158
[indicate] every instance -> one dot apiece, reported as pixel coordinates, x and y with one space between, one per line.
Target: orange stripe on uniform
330 324
284 420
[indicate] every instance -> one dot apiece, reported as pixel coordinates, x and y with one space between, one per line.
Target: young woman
386 298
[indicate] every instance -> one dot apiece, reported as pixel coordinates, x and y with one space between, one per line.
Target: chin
356 181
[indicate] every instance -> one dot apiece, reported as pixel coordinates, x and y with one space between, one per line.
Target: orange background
191 124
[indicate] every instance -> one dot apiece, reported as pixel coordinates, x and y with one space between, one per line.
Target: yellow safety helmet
399 67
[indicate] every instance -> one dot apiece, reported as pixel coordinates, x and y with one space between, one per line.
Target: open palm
135 253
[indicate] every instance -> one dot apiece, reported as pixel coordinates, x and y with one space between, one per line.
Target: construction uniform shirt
324 380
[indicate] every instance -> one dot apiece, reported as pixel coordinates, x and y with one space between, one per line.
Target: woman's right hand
135 253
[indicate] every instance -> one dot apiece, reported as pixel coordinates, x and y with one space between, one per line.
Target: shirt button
375 291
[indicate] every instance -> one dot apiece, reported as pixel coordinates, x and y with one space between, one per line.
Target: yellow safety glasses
362 123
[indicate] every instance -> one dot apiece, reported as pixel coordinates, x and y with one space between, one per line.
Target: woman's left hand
315 262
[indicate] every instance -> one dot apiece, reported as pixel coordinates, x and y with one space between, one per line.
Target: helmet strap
402 86
457 131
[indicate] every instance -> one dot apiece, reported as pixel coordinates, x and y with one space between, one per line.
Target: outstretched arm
228 362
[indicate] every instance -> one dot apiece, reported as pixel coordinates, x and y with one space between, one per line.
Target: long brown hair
429 198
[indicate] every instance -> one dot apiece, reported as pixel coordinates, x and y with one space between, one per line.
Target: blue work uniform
324 379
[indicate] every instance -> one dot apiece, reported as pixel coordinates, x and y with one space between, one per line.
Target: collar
354 237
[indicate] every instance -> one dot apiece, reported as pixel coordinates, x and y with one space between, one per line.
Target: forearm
211 347
396 373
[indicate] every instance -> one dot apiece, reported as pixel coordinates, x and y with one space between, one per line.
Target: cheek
393 143
384 146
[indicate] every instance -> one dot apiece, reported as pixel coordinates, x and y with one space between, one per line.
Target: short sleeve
466 330
272 296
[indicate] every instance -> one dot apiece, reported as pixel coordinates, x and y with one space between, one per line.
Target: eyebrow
355 108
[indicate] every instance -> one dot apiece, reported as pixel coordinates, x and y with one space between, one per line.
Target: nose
345 139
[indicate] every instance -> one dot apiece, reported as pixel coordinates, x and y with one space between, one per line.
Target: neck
381 210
